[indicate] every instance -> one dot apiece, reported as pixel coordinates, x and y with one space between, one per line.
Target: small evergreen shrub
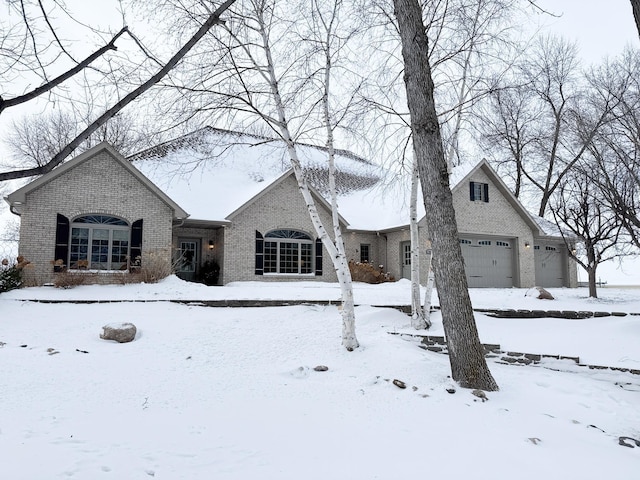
11 273
368 273
209 273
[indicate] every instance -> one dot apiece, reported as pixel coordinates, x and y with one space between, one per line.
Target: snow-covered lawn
230 393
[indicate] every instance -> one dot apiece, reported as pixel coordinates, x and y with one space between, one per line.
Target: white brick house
101 214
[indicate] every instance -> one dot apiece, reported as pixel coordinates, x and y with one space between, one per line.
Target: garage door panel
488 263
549 263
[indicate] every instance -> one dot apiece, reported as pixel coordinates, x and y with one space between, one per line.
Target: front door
187 267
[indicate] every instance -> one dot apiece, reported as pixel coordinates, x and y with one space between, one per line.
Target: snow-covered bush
11 273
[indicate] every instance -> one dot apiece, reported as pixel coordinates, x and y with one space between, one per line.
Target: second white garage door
488 262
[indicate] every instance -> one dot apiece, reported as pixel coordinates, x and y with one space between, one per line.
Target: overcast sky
600 27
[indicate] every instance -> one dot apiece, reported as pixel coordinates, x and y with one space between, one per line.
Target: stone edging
438 344
496 313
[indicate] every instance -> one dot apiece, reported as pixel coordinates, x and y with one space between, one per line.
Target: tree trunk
340 261
466 353
418 320
593 292
429 289
592 266
349 340
635 4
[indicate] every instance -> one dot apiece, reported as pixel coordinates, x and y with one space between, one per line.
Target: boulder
539 293
120 332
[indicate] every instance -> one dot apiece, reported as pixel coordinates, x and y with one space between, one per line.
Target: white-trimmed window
288 252
99 242
479 192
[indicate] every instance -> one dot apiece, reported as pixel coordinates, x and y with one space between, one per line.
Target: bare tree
466 353
17 57
543 121
508 132
614 149
35 139
578 207
261 78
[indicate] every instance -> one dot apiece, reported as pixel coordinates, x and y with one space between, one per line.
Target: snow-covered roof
212 172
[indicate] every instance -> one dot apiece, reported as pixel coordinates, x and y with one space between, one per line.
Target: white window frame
85 258
278 244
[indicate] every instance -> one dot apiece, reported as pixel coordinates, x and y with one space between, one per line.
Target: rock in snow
120 332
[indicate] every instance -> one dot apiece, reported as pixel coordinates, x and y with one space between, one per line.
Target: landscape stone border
496 313
438 344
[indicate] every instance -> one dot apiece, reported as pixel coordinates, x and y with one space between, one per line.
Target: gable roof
19 196
214 172
289 173
461 177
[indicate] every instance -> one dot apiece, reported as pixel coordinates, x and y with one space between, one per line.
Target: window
406 253
99 242
364 253
464 241
288 252
502 244
484 242
479 192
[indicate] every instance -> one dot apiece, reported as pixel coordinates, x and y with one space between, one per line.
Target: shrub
11 274
368 273
154 266
66 279
209 272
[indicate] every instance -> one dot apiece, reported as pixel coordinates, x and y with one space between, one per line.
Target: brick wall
499 219
281 206
99 185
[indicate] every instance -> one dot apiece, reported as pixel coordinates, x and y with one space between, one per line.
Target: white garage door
549 260
488 263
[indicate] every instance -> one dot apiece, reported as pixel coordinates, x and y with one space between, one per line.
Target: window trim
79 259
277 253
479 192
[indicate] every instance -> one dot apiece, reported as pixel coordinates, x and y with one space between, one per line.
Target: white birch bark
429 288
340 261
417 313
349 340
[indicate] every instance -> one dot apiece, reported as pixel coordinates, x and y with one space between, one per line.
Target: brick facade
279 206
99 185
104 183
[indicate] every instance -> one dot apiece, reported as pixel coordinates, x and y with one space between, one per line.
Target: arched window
99 242
288 252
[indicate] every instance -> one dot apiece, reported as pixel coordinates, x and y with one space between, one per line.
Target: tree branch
213 19
11 102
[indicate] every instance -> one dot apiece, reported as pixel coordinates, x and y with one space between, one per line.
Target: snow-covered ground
230 393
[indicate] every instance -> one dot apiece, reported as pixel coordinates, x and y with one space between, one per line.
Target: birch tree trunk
418 320
429 288
466 353
335 251
340 261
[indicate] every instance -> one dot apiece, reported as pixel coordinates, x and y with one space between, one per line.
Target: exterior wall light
211 245
527 245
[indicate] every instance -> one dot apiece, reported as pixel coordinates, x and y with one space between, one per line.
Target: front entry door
188 249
